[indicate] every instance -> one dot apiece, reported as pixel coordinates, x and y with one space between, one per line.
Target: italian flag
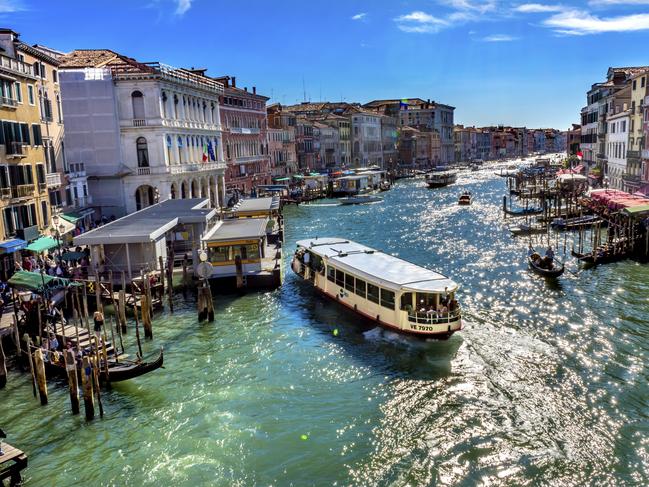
580 155
204 152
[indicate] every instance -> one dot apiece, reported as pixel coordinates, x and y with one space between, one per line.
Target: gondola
592 259
117 371
551 273
525 229
523 211
576 223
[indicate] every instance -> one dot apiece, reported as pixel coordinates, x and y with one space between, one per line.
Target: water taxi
360 199
440 179
396 294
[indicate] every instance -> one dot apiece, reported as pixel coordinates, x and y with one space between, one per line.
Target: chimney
245 88
254 90
234 81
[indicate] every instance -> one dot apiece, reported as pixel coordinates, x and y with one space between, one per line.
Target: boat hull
437 331
550 273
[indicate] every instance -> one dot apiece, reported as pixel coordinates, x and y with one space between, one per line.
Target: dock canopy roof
238 229
37 282
149 224
378 267
257 205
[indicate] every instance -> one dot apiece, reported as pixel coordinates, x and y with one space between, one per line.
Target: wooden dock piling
205 303
3 366
86 383
39 365
73 381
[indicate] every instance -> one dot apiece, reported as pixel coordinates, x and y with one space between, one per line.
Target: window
360 288
24 131
331 274
58 108
38 139
406 301
44 212
340 278
642 81
37 70
142 152
30 94
19 92
387 299
349 283
634 84
40 173
137 101
373 293
55 76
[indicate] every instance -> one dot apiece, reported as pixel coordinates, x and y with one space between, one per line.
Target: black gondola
552 273
594 258
117 371
523 211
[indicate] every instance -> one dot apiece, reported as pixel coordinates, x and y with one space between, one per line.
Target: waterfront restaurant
136 241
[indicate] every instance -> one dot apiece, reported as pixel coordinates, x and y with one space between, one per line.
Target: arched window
142 152
137 100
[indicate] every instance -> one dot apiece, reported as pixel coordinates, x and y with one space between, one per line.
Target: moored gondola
523 211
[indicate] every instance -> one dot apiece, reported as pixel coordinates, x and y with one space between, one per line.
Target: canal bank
544 384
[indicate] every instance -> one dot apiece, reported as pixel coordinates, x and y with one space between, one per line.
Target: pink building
245 142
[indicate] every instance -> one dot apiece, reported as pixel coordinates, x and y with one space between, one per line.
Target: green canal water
546 384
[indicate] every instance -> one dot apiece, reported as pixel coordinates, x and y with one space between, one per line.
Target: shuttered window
38 138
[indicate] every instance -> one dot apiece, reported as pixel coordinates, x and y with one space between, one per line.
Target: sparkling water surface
547 384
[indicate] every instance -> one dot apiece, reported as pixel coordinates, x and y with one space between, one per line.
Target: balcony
139 122
245 160
8 102
53 180
76 170
23 191
244 130
14 66
180 168
15 150
5 193
633 154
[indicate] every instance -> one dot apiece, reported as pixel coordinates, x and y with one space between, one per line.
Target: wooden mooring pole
3 366
205 303
86 382
73 381
170 285
39 365
122 304
145 306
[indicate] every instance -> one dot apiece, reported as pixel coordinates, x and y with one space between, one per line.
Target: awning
37 282
67 225
75 216
42 244
282 179
9 246
637 210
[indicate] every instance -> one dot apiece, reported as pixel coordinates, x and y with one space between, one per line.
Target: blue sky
518 63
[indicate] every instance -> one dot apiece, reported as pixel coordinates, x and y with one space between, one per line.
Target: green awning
42 244
71 217
37 282
637 210
282 179
298 176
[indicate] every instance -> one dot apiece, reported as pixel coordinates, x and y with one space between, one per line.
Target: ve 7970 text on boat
392 292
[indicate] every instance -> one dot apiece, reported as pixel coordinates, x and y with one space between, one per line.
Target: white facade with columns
146 133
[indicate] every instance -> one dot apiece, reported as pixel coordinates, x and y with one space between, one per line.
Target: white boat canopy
378 267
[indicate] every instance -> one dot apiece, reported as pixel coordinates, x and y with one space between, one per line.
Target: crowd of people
56 265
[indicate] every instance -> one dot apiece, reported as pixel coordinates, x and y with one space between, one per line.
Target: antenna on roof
304 88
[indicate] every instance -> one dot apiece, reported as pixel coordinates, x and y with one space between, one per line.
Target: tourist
98 318
530 250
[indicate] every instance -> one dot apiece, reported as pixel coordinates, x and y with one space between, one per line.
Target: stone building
144 132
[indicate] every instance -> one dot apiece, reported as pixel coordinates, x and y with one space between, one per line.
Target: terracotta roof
89 58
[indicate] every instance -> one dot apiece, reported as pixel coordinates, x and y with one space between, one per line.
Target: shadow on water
361 338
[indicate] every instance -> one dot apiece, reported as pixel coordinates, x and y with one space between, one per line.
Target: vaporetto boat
394 293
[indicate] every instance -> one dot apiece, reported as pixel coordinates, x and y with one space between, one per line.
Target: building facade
24 197
367 149
142 132
284 156
616 148
245 122
639 91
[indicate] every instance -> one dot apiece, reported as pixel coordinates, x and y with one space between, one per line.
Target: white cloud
578 22
480 6
420 22
10 6
533 8
359 16
183 6
499 38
